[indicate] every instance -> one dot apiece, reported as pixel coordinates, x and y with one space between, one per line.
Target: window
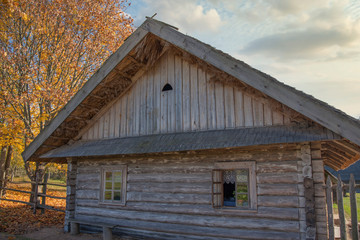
113 185
234 185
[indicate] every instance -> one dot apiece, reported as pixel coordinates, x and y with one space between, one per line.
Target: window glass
231 185
113 185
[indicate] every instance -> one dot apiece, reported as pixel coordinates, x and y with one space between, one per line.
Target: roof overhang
202 140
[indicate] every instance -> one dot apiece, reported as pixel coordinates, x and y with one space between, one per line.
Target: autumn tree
48 49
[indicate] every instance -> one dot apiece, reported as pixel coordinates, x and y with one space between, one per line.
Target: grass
347 207
49 187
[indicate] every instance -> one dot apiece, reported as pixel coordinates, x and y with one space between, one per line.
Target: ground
17 221
50 233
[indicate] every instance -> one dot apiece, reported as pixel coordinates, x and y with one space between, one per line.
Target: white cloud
309 43
187 15
320 33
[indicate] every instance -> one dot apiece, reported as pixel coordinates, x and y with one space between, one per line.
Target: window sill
240 210
112 204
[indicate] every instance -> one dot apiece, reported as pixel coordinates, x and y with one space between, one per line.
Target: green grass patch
49 187
347 207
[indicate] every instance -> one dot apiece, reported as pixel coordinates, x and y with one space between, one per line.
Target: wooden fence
39 197
338 189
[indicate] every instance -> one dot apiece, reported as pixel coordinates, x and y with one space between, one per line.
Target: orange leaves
47 52
18 218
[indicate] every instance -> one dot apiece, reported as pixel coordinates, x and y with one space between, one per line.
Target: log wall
197 102
170 195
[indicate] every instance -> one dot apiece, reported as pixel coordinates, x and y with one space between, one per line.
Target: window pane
108 185
242 176
117 186
117 196
107 195
117 177
108 176
229 194
242 188
242 200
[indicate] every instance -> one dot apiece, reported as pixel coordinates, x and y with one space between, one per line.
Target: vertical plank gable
198 101
178 85
211 106
186 97
164 96
219 104
194 98
202 99
171 94
229 107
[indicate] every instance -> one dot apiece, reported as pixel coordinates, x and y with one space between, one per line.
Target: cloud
320 33
301 44
187 15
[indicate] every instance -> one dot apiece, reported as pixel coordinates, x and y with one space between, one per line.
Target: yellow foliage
48 50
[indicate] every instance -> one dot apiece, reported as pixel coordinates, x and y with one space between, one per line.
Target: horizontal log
87 194
270 178
169 231
86 185
167 177
277 167
199 209
319 177
318 166
184 219
169 168
277 189
169 197
191 232
174 187
278 201
88 177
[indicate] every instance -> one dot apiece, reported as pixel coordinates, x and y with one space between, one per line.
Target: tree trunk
13 173
7 169
2 165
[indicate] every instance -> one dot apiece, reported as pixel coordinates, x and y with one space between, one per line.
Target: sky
313 46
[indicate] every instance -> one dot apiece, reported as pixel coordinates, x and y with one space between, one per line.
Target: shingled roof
139 53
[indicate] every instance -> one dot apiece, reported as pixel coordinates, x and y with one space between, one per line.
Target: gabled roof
137 54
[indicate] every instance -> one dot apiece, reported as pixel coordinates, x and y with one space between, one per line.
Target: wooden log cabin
173 139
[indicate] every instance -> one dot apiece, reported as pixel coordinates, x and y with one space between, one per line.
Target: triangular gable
197 101
134 52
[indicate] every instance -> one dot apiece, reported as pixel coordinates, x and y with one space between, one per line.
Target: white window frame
217 187
117 168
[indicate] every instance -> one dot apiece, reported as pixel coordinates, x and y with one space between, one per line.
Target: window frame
219 167
117 168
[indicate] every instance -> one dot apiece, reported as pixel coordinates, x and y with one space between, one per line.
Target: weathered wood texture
197 102
329 205
70 193
320 194
171 194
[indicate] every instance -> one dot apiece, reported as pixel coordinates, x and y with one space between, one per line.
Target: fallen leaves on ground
18 218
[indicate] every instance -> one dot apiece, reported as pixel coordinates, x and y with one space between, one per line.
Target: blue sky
313 46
